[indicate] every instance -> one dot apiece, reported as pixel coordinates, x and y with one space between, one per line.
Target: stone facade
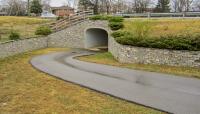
74 35
131 54
20 46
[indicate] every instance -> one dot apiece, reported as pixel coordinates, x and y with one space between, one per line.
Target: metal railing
182 14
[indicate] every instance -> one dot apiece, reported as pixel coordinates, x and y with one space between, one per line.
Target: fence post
69 21
56 26
149 15
92 12
183 14
84 16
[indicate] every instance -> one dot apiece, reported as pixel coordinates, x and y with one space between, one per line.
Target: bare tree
182 5
188 4
28 7
105 6
175 5
16 7
197 5
141 6
113 6
46 5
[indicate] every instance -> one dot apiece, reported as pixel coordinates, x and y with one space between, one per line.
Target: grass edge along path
108 59
26 90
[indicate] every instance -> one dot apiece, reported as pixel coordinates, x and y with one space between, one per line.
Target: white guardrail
183 14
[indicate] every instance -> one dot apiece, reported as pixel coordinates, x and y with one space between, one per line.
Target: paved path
160 91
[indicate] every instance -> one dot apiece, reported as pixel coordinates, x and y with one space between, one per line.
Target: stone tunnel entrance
96 38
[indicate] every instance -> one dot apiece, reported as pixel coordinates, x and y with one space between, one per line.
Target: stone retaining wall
20 46
131 54
74 36
70 37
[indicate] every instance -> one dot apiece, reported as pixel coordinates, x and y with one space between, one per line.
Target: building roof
62 7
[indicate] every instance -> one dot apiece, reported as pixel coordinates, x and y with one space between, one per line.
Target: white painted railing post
56 27
149 15
183 14
69 20
84 15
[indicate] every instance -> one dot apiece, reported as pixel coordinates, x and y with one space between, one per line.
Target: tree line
139 6
26 7
22 7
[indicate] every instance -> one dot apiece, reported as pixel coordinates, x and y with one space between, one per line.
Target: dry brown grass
24 90
166 26
24 25
107 58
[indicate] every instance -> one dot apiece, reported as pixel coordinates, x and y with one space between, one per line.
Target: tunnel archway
96 37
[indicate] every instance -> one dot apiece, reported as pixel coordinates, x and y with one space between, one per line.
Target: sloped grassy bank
146 33
173 34
24 27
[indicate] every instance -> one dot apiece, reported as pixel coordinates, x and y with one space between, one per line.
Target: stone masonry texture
140 55
21 46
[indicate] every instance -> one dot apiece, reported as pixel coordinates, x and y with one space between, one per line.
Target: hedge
107 17
173 42
116 19
115 23
14 35
43 30
99 17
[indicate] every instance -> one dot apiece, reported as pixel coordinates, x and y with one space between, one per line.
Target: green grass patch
108 59
25 90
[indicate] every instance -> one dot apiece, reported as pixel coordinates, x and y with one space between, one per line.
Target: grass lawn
26 26
164 26
107 58
24 90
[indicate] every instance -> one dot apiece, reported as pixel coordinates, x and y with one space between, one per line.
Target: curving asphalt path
160 91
